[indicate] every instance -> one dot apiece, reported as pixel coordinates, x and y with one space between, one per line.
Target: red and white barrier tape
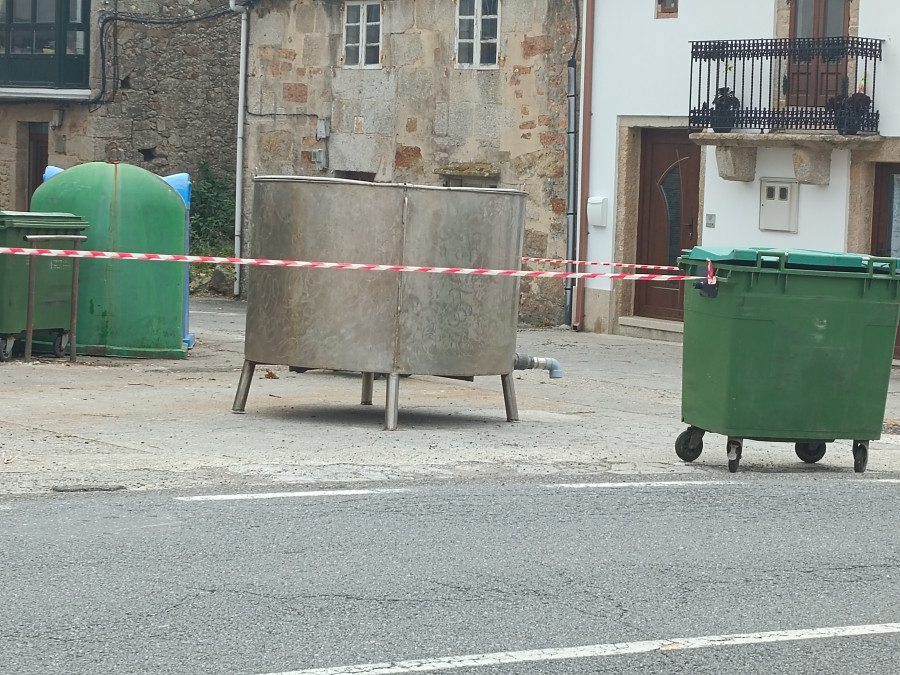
61 253
601 264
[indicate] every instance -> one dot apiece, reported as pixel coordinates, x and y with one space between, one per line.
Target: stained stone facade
416 115
169 101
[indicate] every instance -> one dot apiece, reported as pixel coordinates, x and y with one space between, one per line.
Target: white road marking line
677 483
660 483
595 651
280 495
196 311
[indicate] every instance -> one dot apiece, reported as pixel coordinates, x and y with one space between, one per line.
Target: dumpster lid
794 258
41 220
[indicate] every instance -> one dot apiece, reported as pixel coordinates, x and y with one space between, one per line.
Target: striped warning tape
601 264
114 255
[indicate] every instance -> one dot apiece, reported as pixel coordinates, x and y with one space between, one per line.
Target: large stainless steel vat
383 322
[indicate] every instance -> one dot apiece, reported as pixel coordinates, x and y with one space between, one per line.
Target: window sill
43 94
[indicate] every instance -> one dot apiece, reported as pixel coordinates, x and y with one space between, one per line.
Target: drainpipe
239 165
571 248
523 362
587 69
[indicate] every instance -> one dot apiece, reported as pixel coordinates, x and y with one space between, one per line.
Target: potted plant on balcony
724 107
848 111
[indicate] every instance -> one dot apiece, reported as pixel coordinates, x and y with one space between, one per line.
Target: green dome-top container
125 308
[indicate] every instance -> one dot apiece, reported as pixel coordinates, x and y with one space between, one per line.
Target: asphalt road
152 582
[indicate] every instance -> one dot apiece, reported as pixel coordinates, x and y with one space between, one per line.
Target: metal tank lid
348 181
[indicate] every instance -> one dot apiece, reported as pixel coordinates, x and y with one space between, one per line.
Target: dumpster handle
891 263
780 256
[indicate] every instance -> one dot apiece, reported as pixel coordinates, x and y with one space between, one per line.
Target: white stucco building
783 177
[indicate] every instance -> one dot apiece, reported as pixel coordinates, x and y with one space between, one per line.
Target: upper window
820 18
44 43
477 26
362 34
666 8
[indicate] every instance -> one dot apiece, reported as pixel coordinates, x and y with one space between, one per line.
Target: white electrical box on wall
597 208
779 204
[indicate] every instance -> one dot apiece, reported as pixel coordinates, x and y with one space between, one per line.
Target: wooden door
38 156
667 216
815 78
886 217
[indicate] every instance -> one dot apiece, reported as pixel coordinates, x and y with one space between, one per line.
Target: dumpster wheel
60 342
6 348
735 445
860 455
689 444
810 452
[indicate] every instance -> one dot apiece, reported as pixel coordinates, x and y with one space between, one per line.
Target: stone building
156 78
434 92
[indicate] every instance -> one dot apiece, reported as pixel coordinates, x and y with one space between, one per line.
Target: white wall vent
779 204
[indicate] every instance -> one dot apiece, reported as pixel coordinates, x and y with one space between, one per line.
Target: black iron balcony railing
775 84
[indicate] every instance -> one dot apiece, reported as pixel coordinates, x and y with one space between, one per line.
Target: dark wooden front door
886 217
813 79
37 158
667 216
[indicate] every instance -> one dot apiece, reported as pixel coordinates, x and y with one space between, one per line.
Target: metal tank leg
368 383
240 398
392 402
509 398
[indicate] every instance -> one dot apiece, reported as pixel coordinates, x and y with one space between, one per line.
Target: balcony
801 84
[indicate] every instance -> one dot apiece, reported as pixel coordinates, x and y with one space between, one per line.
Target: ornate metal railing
773 84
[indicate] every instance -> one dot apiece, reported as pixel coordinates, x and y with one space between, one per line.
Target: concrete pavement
153 424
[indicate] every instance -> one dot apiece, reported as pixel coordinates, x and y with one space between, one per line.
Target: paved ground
148 424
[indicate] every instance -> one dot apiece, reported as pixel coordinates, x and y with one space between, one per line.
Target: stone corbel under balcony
736 152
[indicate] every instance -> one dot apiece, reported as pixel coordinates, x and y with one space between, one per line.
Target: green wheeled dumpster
787 345
52 277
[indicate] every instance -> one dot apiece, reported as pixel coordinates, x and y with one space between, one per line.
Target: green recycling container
52 278
788 345
125 308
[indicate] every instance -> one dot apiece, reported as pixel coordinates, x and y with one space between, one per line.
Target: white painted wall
881 19
822 220
642 68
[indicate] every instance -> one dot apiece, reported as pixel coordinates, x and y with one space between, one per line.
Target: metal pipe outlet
523 362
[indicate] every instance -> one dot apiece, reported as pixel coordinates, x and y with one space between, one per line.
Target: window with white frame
362 34
477 27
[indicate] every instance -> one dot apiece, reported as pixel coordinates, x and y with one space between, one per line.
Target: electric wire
109 19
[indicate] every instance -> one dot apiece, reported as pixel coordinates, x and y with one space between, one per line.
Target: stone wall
175 88
418 112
